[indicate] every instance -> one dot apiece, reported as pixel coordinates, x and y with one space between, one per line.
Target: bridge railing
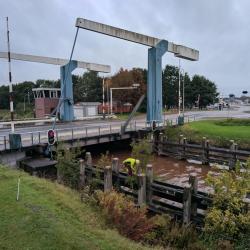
39 137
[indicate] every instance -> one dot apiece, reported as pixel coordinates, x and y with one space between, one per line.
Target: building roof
51 89
87 103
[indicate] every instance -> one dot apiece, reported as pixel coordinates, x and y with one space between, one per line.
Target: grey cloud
219 29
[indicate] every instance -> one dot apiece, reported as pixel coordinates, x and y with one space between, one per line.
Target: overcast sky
219 29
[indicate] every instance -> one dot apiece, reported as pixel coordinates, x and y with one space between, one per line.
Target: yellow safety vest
132 162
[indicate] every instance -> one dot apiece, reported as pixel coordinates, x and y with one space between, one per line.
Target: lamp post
134 86
103 112
183 92
179 89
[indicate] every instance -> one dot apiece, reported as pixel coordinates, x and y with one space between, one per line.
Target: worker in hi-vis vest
131 165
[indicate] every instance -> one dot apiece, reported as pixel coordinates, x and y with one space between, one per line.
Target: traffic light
51 137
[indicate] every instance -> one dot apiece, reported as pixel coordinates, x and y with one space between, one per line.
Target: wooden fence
183 202
186 203
204 153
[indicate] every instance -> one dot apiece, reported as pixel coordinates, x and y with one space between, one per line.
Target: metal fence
33 138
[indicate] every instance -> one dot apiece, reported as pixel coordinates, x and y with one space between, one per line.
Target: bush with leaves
121 212
167 233
95 183
104 160
142 150
228 218
68 165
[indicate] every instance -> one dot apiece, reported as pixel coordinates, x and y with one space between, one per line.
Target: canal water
165 168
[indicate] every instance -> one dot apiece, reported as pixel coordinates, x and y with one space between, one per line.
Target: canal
165 168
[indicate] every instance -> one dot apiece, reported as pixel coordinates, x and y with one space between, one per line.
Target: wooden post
233 158
205 151
88 159
141 189
186 204
108 179
115 165
149 180
193 181
160 144
184 147
116 169
82 175
180 148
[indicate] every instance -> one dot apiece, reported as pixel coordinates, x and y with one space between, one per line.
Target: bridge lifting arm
158 48
66 109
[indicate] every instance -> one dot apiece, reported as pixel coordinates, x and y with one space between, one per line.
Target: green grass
124 117
220 131
18 114
51 216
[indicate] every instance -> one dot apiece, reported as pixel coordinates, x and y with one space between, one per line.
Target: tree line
88 88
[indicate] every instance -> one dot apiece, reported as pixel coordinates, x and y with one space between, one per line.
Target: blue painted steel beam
66 108
154 82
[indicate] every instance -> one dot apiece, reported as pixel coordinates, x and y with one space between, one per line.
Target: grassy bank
220 132
18 114
50 216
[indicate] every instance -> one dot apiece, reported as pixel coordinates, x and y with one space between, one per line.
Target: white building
85 109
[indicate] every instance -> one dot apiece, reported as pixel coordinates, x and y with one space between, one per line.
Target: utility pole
11 96
179 89
183 93
103 101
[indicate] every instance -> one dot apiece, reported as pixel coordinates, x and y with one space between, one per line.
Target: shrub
101 164
104 160
142 151
167 233
173 133
130 221
227 218
68 165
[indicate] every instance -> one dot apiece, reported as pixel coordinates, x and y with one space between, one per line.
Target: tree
200 86
88 87
126 78
170 77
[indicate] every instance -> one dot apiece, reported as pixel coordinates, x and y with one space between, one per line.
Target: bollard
193 181
233 158
186 204
108 179
141 189
205 151
149 180
88 159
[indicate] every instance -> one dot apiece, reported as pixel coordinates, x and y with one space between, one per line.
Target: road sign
51 137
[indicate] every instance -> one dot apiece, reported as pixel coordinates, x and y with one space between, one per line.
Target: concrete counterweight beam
56 61
178 50
66 69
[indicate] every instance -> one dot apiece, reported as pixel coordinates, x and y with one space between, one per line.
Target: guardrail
39 137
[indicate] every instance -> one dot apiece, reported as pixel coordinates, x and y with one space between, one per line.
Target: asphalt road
235 112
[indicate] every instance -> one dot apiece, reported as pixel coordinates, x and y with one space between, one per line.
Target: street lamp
183 92
179 89
134 86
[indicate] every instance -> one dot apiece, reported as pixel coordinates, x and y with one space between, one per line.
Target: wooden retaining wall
183 202
204 153
186 203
